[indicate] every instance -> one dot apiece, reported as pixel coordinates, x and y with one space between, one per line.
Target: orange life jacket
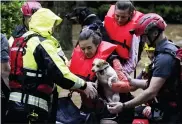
81 66
120 34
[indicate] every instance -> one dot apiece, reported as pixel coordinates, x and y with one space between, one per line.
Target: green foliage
171 14
10 16
94 10
103 10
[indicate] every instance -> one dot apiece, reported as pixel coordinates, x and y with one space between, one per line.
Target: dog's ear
105 62
83 12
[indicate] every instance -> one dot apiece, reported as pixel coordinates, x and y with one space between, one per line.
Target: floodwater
173 32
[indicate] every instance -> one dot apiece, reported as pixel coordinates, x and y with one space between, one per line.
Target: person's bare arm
139 83
148 94
136 83
164 65
132 88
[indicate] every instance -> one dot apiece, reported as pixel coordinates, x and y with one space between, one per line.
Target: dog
106 75
87 18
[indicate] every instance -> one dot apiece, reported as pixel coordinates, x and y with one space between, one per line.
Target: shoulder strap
167 50
26 38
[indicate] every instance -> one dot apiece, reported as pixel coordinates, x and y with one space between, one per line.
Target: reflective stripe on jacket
42 56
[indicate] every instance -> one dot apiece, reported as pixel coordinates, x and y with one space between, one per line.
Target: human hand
112 80
115 107
95 84
147 112
90 91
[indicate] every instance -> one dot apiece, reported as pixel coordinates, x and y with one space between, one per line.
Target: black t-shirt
165 66
164 63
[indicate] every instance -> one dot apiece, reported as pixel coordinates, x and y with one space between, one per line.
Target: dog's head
99 65
79 14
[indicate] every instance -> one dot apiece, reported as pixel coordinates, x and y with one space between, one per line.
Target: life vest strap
124 45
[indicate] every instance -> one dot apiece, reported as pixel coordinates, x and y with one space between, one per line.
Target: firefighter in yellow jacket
36 66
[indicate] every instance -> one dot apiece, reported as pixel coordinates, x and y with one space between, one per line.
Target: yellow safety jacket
43 61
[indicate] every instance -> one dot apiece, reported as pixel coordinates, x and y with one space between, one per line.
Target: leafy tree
10 16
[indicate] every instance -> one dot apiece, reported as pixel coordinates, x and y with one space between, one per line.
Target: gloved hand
90 91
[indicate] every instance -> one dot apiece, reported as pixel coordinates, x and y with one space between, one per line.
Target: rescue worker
163 86
91 46
120 19
35 70
27 9
5 69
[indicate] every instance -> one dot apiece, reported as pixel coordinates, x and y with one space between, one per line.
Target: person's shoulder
167 49
165 56
3 39
19 31
164 60
171 46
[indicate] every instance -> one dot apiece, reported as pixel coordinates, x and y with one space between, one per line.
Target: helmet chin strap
152 42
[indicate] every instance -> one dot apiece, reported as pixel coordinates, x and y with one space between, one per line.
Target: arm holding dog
138 83
125 85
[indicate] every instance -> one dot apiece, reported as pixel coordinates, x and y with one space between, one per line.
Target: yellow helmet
147 48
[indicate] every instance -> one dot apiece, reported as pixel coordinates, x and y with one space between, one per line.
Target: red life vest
81 66
120 34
